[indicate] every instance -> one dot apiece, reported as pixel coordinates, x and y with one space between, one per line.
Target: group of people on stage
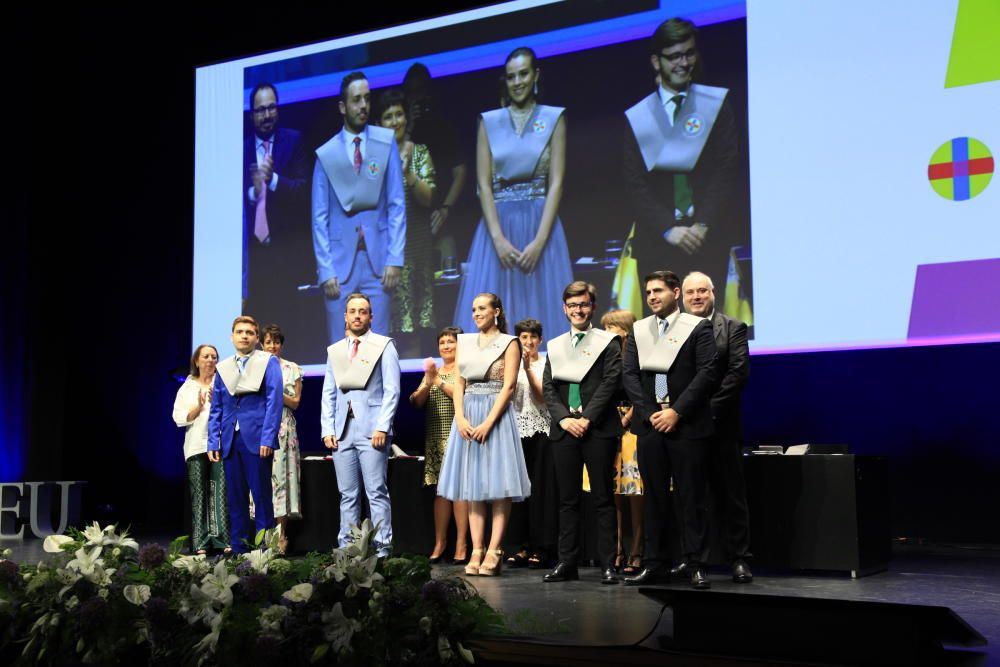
241 410
375 205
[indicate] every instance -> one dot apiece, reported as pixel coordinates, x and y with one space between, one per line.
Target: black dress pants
729 495
661 457
598 454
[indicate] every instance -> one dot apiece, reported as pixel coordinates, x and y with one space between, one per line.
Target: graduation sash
357 192
657 353
678 147
354 373
247 382
515 156
571 364
473 361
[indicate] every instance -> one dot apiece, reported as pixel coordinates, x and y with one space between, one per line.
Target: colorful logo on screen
538 126
373 169
960 169
693 125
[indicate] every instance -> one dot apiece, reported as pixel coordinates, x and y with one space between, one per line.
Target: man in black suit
681 162
669 374
725 459
581 380
277 234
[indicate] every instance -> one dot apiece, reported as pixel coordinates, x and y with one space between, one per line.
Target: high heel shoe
492 564
475 560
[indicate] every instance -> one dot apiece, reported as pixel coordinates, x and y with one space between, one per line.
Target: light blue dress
491 470
520 199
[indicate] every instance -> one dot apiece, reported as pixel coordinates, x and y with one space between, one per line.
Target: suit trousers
356 462
598 454
729 494
247 476
661 457
361 279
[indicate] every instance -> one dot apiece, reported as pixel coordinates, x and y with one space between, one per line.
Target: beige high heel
474 562
492 564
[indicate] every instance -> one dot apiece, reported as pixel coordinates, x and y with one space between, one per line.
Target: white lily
96 536
338 629
218 584
259 559
211 640
271 618
137 595
122 540
299 593
53 543
197 606
195 565
85 563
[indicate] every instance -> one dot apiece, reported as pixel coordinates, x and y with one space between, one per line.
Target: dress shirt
273 185
667 100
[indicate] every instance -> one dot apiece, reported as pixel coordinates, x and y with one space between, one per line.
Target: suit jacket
598 391
734 368
290 164
335 232
259 413
374 407
713 182
691 380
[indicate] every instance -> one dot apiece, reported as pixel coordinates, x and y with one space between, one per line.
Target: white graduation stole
474 361
249 381
678 147
571 364
354 373
516 156
357 192
657 354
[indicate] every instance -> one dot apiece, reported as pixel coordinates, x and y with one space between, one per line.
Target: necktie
354 348
682 191
260 228
357 155
660 381
575 400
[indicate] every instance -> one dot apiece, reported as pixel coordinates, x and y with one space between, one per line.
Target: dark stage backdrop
97 283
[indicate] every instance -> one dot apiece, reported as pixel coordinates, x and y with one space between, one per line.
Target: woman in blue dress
520 164
483 461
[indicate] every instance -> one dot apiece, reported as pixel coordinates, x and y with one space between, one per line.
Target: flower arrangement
101 599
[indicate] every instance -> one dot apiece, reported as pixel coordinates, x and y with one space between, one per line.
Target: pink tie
260 229
357 155
354 348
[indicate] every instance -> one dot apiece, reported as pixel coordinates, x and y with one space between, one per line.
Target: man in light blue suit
358 210
360 393
243 429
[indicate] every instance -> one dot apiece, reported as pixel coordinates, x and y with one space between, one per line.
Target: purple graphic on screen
955 299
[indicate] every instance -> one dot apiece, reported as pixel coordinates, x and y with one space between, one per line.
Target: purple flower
93 614
8 572
434 591
256 587
157 613
151 556
244 569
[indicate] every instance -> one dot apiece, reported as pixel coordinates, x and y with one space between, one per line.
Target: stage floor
585 613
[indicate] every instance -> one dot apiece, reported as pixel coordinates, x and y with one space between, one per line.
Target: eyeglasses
674 58
581 305
262 111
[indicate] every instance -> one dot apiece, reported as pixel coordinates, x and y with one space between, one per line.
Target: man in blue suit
360 393
243 429
358 210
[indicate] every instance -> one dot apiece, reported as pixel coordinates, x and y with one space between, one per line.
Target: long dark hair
496 303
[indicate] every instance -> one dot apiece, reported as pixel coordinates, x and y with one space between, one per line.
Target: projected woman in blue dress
519 249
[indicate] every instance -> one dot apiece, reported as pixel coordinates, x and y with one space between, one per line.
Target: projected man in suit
669 375
680 162
581 380
358 210
243 430
360 393
725 458
276 237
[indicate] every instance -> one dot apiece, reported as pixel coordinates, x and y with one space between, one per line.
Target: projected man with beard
358 211
681 151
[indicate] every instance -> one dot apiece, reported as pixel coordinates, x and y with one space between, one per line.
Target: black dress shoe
741 572
609 576
681 569
699 578
648 577
434 560
563 571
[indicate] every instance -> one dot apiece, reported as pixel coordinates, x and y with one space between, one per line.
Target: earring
536 89
496 320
